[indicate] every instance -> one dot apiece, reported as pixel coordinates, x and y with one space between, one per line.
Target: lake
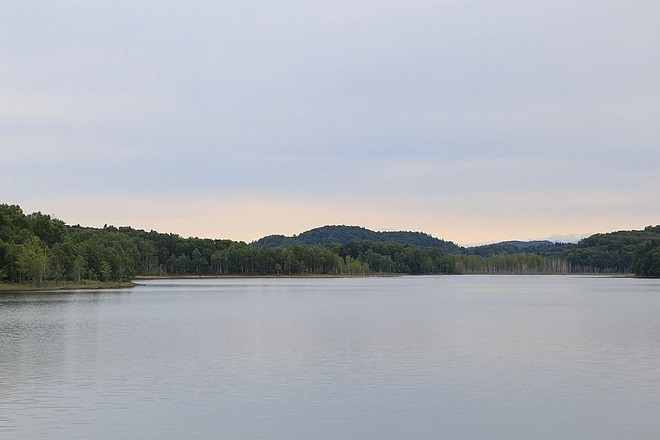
438 357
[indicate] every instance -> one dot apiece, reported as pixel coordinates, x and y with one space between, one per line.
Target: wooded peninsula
40 251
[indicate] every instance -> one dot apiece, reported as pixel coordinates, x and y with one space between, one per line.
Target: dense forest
623 251
542 248
326 235
38 249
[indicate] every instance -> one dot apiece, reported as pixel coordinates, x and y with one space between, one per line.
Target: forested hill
37 249
622 251
345 234
544 248
339 234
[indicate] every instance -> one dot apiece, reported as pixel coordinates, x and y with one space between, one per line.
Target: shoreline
377 275
229 277
62 286
100 285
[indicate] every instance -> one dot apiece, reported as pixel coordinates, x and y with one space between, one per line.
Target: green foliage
647 258
327 235
37 249
612 252
12 220
515 263
541 248
397 258
31 261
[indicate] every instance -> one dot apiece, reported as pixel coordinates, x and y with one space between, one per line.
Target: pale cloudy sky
473 120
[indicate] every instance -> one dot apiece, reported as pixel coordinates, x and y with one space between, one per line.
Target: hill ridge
341 234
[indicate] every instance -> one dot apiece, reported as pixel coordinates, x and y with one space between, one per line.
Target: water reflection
408 357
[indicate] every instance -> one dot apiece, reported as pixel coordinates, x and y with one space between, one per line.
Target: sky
475 121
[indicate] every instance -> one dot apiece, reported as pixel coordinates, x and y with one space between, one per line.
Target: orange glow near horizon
248 219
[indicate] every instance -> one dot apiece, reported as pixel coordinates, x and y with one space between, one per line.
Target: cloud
423 114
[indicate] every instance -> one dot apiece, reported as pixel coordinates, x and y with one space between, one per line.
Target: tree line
618 252
38 249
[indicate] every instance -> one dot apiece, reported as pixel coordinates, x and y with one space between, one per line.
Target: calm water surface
453 357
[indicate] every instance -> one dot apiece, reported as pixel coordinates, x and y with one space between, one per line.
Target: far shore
138 278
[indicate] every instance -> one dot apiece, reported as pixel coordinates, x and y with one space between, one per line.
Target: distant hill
621 251
544 248
38 250
343 234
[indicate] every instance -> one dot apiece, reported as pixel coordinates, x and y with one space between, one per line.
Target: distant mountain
343 234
